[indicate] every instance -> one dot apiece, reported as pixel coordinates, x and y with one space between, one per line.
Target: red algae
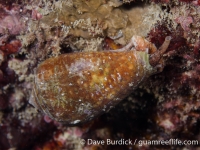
11 47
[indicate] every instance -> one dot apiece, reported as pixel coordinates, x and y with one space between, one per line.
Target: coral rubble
166 106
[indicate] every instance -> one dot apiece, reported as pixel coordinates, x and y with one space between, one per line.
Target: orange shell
76 87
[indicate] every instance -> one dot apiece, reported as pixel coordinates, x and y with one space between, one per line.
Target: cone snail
76 87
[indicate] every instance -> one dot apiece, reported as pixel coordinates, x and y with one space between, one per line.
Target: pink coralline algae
166 106
185 22
36 15
10 21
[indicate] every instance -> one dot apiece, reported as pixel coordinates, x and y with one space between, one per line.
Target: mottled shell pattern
76 87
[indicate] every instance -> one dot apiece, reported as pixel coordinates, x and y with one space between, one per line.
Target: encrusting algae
76 87
83 25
